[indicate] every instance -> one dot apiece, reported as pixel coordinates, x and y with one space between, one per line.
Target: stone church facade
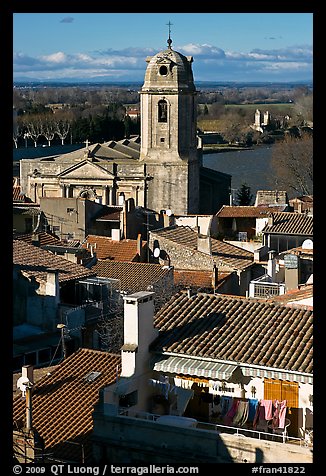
161 170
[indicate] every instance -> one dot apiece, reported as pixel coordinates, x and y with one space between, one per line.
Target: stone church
160 170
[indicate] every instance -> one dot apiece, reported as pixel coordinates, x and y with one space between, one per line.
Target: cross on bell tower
169 39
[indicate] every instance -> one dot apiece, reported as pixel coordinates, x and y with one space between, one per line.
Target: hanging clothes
279 414
241 414
232 411
264 412
253 404
226 403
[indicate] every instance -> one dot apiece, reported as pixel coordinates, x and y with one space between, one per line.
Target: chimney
299 207
139 244
35 239
116 234
52 283
139 332
270 220
204 244
214 276
271 265
28 372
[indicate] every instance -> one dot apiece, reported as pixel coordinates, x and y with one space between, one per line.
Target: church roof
125 149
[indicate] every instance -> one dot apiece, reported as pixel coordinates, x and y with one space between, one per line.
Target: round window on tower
163 70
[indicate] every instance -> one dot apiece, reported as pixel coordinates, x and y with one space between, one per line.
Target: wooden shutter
272 389
282 390
290 393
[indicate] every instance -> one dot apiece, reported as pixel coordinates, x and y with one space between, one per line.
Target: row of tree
64 125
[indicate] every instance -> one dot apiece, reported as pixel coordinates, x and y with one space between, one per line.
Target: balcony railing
261 435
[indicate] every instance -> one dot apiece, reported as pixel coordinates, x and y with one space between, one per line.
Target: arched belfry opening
162 111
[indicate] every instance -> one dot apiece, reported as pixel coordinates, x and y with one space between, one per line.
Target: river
249 166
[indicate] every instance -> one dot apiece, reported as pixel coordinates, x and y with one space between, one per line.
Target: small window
162 139
70 210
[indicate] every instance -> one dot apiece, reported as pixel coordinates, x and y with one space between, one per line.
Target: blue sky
113 46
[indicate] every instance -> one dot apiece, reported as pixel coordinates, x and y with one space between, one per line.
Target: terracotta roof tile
133 276
236 329
106 248
291 224
43 238
228 211
222 252
63 402
34 261
197 278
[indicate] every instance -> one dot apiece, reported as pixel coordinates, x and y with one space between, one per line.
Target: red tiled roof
304 292
291 224
35 262
197 278
43 238
133 276
228 211
241 330
63 402
18 196
106 248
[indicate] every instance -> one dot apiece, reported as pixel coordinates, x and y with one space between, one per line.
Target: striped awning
277 374
195 367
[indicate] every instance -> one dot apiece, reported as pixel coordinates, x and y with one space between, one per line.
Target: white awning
195 367
277 374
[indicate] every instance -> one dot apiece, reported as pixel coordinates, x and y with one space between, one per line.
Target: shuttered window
282 390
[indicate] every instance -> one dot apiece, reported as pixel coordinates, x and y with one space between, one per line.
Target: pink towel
279 414
268 406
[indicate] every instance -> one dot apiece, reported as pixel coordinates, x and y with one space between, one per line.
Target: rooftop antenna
169 40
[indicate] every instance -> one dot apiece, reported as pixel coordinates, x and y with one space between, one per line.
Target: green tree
244 195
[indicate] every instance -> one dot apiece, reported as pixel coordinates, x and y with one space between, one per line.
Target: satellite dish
168 212
22 383
307 244
156 252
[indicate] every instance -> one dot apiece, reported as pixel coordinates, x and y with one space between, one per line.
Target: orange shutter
290 393
282 390
272 389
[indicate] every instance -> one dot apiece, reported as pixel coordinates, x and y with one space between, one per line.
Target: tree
244 195
292 164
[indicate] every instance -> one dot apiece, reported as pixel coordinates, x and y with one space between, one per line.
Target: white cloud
210 61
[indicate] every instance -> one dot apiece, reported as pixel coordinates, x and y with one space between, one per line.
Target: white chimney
28 372
139 332
271 265
116 234
204 244
52 283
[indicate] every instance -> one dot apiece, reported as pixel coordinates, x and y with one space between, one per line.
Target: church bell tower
168 133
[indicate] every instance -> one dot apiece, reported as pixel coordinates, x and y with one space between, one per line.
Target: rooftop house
186 249
186 368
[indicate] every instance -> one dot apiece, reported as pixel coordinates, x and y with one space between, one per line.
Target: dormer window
162 111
